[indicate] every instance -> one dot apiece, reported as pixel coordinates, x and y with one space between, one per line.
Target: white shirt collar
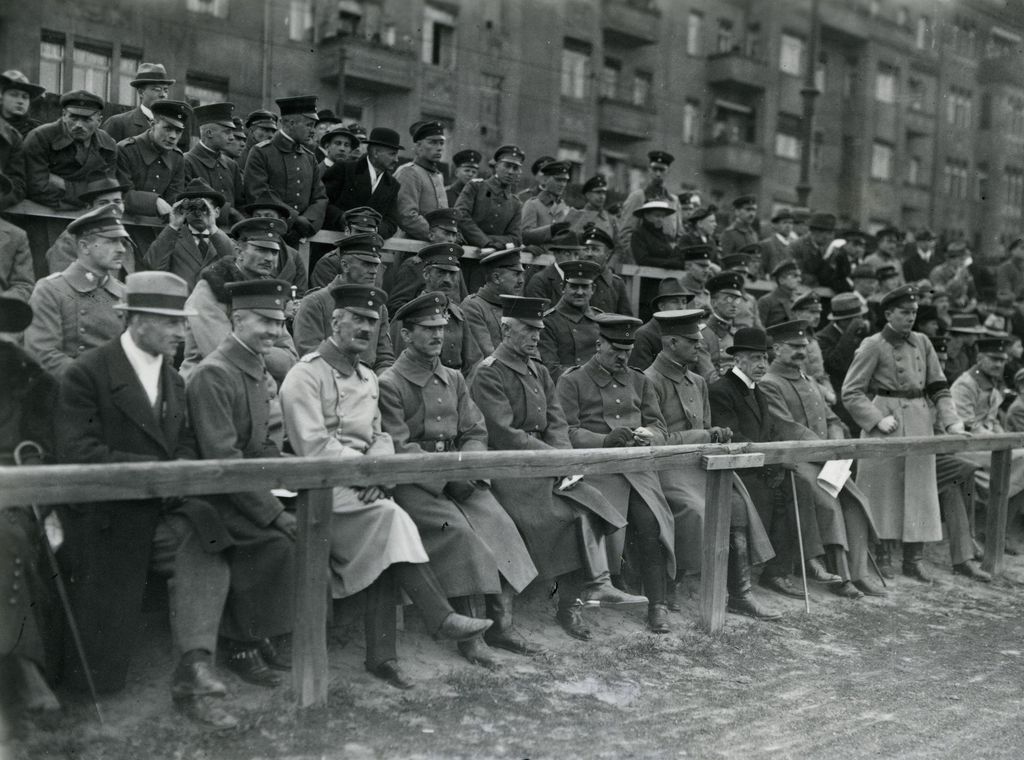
925 255
742 376
146 366
146 111
328 162
374 175
784 239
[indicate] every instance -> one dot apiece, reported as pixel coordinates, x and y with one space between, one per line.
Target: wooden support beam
731 461
995 513
715 550
310 675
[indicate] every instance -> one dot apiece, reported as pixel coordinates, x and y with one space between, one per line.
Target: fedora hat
155 293
151 73
846 305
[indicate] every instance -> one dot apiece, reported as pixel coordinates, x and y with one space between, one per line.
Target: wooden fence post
715 547
995 513
310 676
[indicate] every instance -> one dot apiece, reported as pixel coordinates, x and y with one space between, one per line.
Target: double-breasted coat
221 173
569 338
330 403
483 319
50 149
286 171
472 541
489 215
595 402
521 411
151 172
348 186
902 491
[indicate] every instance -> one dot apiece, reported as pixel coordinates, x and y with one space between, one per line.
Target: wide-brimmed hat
151 73
155 293
670 287
655 206
198 188
334 131
966 323
12 79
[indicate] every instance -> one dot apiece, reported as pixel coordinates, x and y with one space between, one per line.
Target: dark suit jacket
176 251
121 126
348 187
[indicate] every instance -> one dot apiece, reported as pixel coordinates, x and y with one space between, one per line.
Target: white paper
833 476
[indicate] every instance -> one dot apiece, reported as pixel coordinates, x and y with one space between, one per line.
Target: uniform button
439 418
81 329
15 586
17 573
618 401
617 416
439 401
82 312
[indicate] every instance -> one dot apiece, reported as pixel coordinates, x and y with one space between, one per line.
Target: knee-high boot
741 600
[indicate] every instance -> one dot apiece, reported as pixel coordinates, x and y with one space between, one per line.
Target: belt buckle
439 446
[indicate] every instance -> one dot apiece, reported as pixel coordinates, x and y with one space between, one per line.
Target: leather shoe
205 709
968 570
870 589
196 679
747 605
277 652
609 595
780 585
846 590
916 571
389 672
816 572
478 653
657 618
885 568
571 620
511 641
247 663
458 627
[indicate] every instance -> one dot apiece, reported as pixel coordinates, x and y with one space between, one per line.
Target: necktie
203 243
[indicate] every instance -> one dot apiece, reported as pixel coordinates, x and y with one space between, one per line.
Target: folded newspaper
833 476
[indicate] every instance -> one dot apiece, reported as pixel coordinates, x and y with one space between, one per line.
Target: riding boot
741 600
473 649
503 635
913 562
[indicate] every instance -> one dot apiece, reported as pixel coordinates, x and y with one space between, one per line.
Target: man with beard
62 157
741 232
569 337
151 162
465 165
489 213
659 162
210 161
421 184
152 85
474 546
503 276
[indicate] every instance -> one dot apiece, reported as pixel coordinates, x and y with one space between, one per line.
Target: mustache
363 335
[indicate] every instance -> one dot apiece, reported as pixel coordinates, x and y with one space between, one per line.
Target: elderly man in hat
408 276
834 527
359 261
255 257
809 251
286 169
777 306
670 296
337 144
366 181
330 403
683 398
152 85
362 220
886 253
658 163
152 163
743 230
775 248
17 277
191 241
474 546
465 166
838 341
489 212
421 183
650 242
74 309
63 156
562 520
503 276
545 216
608 404
123 402
594 214
16 96
569 337
893 375
610 292
210 161
259 125
230 404
726 291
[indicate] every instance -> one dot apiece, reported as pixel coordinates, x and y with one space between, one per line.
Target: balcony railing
631 22
366 62
737 70
624 120
740 159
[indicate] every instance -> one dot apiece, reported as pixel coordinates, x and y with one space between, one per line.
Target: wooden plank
995 513
731 461
310 674
715 550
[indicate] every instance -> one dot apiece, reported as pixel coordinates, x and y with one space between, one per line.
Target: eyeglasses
730 297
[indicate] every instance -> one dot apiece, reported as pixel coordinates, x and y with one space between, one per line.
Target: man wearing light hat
649 242
123 402
741 232
63 156
893 375
209 161
232 401
838 342
359 262
474 546
569 337
489 211
545 216
421 182
408 275
330 403
609 405
152 163
465 165
152 85
658 165
74 309
285 168
683 399
503 276
563 521
361 220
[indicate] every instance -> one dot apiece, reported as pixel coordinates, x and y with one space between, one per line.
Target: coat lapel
129 396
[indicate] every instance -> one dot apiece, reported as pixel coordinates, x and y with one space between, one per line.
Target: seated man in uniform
569 336
362 220
408 275
503 276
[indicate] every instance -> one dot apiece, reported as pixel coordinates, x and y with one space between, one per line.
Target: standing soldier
545 216
488 210
152 85
151 162
593 214
741 232
885 392
422 184
208 160
260 125
466 164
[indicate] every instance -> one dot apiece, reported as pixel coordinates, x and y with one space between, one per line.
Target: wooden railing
315 477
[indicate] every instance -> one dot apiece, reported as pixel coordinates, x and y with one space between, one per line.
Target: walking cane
58 579
877 571
800 541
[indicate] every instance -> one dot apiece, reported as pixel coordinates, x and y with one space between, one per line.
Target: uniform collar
148 149
893 337
671 369
243 357
206 155
984 381
417 369
430 166
496 187
341 362
485 293
719 325
784 370
603 377
572 314
84 281
514 361
284 143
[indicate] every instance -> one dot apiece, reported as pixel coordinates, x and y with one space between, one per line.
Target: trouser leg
593 552
781 527
651 554
380 620
420 583
857 539
961 546
837 555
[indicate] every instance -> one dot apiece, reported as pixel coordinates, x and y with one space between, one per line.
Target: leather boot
672 593
913 562
245 661
473 649
503 635
741 600
652 569
570 608
883 558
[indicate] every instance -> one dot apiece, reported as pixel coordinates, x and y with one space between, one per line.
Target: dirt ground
930 672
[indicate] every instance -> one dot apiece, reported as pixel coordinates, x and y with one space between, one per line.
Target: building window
954 179
691 121
51 62
732 123
959 107
787 136
610 78
1013 191
753 44
914 171
1002 43
885 84
300 20
881 161
962 36
438 37
201 90
915 94
126 69
1016 107
91 69
350 17
724 37
694 33
820 75
218 8
575 69
981 175
490 106
791 55
643 81
923 33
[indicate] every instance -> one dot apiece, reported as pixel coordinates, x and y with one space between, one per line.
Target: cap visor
82 110
277 314
157 310
446 267
270 245
436 321
531 322
621 346
368 257
113 234
363 312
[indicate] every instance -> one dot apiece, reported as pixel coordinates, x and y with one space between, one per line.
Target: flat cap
265 297
365 300
81 102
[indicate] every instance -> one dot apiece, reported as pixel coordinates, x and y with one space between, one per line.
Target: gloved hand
303 226
557 228
618 438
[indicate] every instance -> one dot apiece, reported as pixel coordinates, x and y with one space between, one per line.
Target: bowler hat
749 339
387 138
